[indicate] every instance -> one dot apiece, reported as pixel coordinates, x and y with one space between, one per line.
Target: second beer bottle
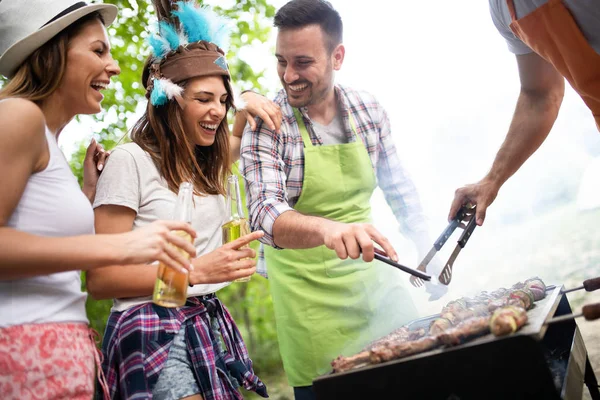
171 285
236 225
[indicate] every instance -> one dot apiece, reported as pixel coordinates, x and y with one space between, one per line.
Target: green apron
324 306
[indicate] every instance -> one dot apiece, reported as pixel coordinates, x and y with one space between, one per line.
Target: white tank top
51 205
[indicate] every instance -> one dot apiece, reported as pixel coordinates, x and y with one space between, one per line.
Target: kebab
502 311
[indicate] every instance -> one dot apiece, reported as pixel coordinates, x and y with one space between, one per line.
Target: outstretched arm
542 90
24 151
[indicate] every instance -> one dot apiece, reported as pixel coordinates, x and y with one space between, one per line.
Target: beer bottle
235 225
171 285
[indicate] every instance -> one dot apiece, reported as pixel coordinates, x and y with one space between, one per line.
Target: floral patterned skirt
47 361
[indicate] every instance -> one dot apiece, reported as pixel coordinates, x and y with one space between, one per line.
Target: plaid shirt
137 341
273 164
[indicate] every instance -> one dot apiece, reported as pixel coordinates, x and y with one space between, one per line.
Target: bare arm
24 151
235 139
119 281
294 230
542 90
224 264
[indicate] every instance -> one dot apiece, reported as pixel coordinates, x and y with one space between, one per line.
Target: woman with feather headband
195 351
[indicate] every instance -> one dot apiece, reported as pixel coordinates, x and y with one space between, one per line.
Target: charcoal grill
538 362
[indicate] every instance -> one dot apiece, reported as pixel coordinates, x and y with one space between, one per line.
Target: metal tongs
446 275
383 257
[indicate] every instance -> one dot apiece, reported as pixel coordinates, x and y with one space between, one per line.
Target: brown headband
189 61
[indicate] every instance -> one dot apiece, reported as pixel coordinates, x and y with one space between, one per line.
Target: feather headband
192 50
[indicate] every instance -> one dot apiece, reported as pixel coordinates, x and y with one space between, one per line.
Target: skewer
589 285
590 312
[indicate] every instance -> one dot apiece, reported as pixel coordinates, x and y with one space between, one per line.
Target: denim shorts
176 380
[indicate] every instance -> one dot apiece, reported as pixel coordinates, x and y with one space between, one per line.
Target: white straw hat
26 25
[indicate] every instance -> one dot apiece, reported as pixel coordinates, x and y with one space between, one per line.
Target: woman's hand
95 158
229 262
257 105
157 242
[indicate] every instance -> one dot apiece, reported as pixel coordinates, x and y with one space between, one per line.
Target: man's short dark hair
301 13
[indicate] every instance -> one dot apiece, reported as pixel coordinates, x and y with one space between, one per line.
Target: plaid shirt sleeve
399 189
265 177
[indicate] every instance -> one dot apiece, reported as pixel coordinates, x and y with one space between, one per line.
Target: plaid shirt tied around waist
137 341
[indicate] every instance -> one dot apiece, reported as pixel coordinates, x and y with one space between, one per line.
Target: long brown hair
42 72
160 132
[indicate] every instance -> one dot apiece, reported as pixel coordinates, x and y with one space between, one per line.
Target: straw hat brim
14 56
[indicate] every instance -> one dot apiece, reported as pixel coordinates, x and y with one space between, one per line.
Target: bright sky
450 85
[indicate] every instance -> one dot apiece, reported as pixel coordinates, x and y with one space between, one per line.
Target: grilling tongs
446 275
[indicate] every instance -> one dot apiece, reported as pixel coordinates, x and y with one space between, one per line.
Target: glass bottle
171 285
236 225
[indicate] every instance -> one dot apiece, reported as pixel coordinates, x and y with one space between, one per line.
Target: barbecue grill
538 362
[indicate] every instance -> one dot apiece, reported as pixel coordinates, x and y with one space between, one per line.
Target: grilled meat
507 320
502 312
465 330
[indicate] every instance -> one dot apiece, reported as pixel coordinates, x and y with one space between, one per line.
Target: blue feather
168 32
157 45
193 21
158 97
221 37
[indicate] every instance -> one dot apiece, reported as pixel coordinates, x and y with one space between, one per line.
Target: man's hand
349 240
480 194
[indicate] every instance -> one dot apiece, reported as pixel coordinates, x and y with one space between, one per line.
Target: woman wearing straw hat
195 351
57 57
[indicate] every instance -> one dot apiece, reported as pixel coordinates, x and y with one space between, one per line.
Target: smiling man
309 190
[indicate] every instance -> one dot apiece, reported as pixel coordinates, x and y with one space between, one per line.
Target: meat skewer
590 312
589 285
502 312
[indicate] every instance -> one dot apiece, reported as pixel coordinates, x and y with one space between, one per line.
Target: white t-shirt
585 12
131 179
53 205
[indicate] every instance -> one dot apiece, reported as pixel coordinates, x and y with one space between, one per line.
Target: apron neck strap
304 131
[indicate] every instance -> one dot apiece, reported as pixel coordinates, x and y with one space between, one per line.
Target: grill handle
589 285
591 311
